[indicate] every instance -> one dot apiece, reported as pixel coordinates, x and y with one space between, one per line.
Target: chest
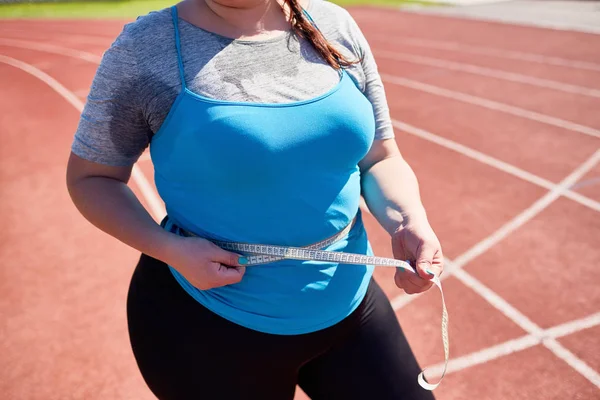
269 74
221 142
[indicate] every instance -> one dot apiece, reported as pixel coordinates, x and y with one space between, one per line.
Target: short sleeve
373 86
112 128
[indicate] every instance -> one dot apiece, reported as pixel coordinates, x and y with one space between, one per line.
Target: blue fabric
283 174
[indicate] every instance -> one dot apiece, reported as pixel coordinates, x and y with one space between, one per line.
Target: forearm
391 191
111 206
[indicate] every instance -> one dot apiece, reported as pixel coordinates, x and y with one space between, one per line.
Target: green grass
95 9
129 8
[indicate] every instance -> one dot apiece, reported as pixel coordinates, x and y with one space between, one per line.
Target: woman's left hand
418 244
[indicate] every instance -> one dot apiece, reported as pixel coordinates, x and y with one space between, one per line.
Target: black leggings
185 351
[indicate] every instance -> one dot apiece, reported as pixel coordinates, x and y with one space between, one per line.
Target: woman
266 119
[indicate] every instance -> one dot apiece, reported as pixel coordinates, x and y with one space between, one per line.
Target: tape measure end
426 385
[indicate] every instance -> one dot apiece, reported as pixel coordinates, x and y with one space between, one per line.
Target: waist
292 296
297 212
319 238
298 226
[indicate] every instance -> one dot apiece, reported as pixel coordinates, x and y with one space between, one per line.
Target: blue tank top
283 174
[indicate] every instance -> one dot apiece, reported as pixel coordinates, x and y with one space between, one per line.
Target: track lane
533 40
64 291
574 107
497 393
544 150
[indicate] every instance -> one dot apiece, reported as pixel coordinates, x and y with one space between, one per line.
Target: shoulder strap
312 21
309 18
175 16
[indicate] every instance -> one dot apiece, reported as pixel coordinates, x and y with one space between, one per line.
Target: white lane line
399 302
488 72
154 202
415 131
79 39
502 305
485 355
152 199
527 214
509 227
492 105
51 29
145 157
512 346
444 142
81 93
560 351
571 327
575 362
489 51
493 162
586 183
403 299
516 316
41 75
415 42
50 48
499 303
410 41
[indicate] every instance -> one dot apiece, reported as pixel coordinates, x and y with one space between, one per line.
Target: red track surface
521 270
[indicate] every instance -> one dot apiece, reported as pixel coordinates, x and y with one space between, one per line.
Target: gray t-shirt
138 79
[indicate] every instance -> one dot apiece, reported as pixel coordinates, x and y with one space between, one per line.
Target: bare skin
391 191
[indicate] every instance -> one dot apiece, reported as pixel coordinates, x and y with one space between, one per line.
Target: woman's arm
391 191
101 195
113 132
390 187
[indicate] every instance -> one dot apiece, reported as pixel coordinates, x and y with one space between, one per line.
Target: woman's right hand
204 264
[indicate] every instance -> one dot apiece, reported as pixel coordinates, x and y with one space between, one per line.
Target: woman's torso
230 166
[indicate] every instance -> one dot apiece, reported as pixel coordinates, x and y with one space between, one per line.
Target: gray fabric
138 78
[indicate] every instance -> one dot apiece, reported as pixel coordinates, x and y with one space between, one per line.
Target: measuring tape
258 254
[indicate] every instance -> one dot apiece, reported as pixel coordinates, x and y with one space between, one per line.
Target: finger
410 282
403 277
408 286
438 263
226 257
411 288
229 275
425 287
424 263
412 277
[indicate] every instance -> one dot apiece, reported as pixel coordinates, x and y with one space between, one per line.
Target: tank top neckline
186 91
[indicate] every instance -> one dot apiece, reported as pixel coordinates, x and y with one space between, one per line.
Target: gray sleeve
373 86
112 129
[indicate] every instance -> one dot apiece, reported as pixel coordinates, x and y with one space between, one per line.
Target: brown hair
306 30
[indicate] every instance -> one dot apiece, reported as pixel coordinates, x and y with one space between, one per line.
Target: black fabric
184 351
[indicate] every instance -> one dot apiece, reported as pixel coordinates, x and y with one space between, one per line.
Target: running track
502 126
